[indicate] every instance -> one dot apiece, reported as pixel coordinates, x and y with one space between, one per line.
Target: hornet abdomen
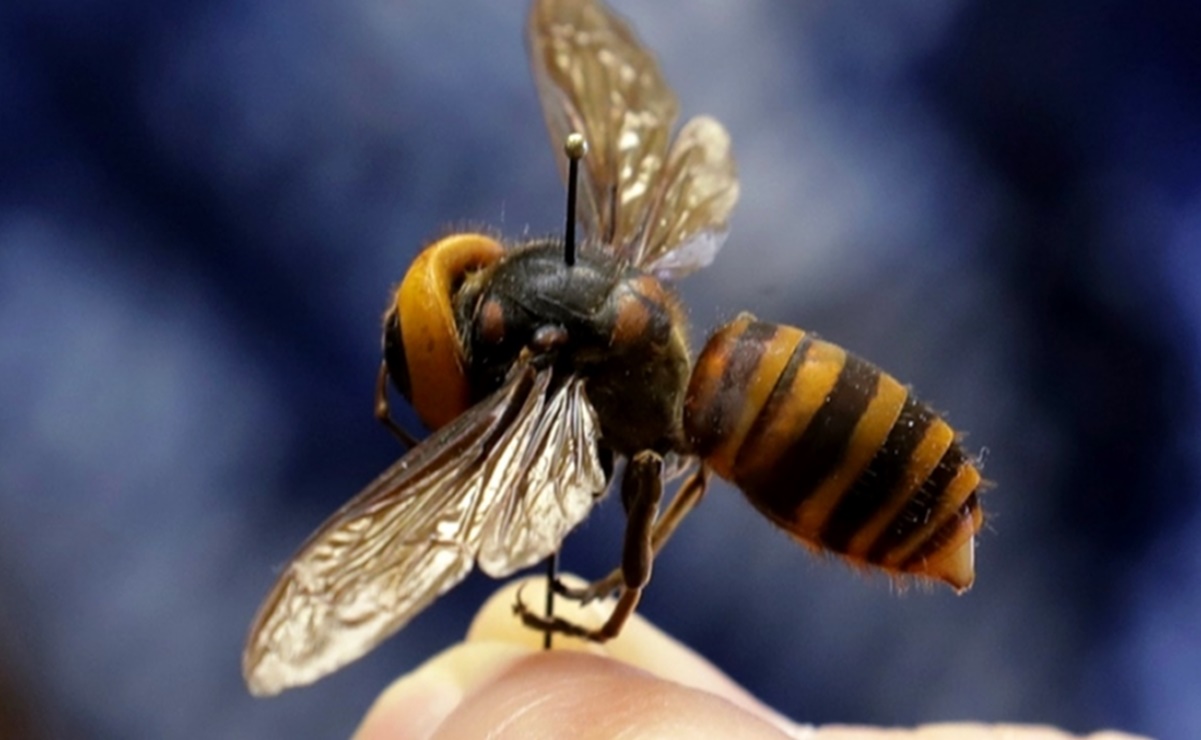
835 451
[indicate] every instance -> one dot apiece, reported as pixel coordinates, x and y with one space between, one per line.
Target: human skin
500 684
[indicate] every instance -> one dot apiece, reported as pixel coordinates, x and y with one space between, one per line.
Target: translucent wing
664 211
503 483
553 485
693 201
594 76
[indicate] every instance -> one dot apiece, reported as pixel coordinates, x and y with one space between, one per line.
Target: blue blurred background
203 206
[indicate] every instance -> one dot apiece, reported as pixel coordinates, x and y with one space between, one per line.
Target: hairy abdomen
835 451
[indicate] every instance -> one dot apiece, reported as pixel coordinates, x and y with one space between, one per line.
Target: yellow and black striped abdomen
834 450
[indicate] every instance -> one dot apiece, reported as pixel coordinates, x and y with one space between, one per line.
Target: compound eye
394 355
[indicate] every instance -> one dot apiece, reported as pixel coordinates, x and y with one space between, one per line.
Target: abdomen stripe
819 449
918 509
883 480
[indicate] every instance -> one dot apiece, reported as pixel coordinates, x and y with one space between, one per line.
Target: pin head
576 146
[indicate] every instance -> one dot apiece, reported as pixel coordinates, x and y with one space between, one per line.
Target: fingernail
416 705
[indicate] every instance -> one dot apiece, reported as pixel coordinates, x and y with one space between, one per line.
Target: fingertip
587 696
961 731
415 705
507 691
640 643
501 684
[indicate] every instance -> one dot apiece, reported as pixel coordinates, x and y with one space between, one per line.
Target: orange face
428 361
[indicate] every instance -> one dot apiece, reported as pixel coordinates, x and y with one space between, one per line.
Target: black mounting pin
552 574
576 147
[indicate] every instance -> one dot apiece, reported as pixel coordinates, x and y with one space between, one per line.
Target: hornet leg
691 491
641 492
383 412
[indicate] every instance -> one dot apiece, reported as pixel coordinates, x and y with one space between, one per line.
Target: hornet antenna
576 147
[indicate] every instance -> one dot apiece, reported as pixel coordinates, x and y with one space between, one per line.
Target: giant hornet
538 366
